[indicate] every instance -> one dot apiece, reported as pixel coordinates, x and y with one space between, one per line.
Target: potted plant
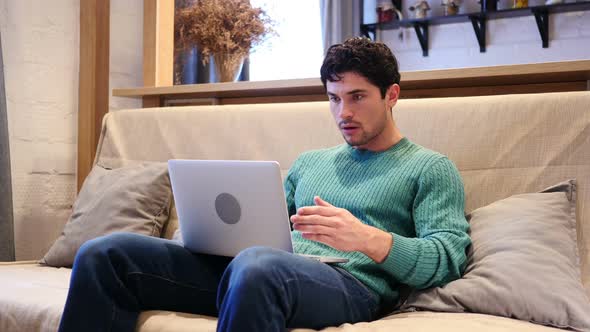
225 30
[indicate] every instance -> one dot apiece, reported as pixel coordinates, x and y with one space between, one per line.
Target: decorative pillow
129 199
171 226
523 263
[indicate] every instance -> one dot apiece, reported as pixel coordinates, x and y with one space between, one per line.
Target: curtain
341 19
6 217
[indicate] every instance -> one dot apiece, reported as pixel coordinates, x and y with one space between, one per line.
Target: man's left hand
341 230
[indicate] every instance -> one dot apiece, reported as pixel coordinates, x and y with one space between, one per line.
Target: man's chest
358 186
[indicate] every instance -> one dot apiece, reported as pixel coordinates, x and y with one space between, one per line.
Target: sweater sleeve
290 185
437 255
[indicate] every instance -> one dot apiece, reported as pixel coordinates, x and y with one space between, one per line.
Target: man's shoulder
426 155
433 163
427 161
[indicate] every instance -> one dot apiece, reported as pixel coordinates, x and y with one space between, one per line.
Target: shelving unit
479 20
509 79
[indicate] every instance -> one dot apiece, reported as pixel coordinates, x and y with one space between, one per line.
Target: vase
489 5
227 66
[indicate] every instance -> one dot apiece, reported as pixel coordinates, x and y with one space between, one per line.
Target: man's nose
346 112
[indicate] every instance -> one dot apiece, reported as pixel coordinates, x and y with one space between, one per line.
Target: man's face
363 117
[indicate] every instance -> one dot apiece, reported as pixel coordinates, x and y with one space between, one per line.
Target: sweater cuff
402 257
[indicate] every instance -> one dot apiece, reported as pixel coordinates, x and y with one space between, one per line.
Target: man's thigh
163 275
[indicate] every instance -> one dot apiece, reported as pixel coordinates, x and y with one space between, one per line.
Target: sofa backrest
502 145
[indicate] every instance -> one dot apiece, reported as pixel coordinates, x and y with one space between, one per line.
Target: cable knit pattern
412 192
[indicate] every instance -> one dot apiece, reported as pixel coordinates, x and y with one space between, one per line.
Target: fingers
319 201
317 210
322 208
313 229
312 219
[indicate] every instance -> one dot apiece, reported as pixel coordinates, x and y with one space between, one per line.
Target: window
297 51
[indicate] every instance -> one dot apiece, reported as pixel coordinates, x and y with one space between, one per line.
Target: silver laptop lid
225 206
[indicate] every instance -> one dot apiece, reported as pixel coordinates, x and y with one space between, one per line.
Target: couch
503 145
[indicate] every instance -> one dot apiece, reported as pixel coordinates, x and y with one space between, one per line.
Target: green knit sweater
412 192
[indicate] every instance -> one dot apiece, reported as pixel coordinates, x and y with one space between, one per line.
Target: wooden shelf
227 90
479 19
528 78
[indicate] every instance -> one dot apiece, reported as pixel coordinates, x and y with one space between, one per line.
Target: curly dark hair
373 60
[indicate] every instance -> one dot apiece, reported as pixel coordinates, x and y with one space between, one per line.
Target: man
393 208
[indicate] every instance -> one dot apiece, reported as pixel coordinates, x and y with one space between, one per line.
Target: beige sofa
502 145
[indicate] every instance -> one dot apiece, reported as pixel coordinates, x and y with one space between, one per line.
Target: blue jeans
115 277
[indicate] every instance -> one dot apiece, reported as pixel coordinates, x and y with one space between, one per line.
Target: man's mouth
349 129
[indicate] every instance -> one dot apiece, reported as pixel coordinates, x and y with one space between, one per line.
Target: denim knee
255 266
258 261
94 249
253 274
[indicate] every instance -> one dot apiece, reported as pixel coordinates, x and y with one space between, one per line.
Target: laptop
226 206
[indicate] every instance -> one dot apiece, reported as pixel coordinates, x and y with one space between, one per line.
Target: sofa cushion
523 263
171 227
32 296
164 321
133 198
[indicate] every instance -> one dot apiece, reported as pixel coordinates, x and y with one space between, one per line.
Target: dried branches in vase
224 29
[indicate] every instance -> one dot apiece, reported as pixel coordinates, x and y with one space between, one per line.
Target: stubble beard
366 137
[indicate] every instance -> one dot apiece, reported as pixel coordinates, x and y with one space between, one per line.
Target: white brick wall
509 41
40 45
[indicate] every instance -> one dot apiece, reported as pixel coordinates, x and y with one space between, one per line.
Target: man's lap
166 276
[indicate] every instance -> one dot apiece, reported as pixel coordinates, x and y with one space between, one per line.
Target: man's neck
383 142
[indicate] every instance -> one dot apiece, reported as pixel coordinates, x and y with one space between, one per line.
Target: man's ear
392 95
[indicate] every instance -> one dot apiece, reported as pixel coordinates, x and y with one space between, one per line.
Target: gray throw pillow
523 263
127 199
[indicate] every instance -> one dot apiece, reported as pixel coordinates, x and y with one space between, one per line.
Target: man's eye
334 99
357 97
